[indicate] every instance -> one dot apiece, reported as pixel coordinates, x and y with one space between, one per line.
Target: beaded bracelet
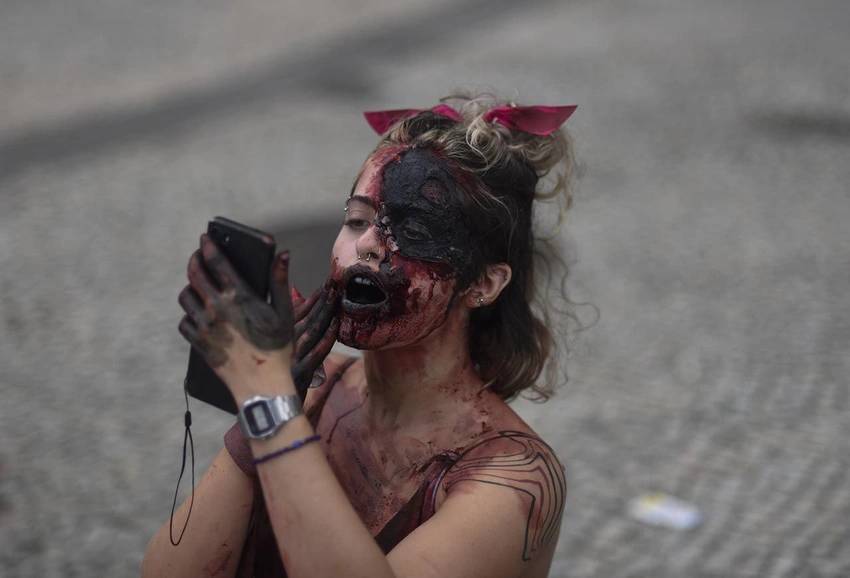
291 447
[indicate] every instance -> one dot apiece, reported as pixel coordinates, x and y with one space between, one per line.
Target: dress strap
431 487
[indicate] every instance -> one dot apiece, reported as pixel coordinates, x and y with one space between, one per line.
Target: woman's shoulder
511 448
507 434
517 467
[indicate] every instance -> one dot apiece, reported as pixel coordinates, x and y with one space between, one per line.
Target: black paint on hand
217 297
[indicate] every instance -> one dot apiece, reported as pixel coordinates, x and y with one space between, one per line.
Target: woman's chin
359 333
377 333
374 333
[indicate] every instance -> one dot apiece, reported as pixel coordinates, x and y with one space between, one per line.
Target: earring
480 301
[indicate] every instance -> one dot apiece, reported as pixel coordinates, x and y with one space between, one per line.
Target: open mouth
363 292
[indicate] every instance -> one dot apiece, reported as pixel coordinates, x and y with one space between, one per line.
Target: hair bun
550 156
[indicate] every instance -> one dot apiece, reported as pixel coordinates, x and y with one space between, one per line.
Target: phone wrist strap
187 436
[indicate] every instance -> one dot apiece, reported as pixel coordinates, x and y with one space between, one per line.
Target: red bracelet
291 447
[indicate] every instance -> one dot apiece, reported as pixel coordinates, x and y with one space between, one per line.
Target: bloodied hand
316 328
239 334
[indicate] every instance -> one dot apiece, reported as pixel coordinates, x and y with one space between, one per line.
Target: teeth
363 281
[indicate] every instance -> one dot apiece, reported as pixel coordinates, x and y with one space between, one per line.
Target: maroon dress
260 557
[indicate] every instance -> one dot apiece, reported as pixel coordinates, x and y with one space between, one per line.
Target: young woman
407 462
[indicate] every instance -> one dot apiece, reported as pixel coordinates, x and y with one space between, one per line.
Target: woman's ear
486 290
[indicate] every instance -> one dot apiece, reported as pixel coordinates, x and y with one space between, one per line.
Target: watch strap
237 446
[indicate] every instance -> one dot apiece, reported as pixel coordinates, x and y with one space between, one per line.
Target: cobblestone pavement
710 229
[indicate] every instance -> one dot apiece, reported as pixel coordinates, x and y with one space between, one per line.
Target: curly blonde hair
510 340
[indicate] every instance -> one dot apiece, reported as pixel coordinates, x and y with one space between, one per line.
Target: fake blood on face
416 233
417 301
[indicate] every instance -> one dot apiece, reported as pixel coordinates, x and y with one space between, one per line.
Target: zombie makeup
403 245
396 304
421 212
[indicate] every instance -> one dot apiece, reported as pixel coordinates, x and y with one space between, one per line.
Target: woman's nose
370 245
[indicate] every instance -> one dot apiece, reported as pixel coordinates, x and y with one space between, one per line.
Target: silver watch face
258 417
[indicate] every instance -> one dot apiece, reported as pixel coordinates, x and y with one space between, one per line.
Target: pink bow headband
539 120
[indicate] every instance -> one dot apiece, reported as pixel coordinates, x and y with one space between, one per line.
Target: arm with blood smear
223 499
315 334
255 348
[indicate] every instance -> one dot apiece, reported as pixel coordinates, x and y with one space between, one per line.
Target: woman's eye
357 223
416 232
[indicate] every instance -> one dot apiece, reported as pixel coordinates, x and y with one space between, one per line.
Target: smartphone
251 252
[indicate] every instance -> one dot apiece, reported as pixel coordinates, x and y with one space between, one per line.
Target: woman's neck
415 385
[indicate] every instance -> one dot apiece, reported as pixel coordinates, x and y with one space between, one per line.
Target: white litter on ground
660 509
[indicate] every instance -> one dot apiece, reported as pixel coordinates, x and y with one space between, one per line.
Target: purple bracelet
293 446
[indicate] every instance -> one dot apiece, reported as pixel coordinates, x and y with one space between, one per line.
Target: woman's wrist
297 428
271 381
264 388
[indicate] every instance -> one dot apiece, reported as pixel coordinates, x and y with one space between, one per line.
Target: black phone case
251 252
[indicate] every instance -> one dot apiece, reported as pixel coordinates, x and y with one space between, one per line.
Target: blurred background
709 228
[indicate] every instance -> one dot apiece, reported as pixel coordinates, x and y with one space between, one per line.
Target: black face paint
421 213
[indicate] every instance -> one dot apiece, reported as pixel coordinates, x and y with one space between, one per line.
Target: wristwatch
261 417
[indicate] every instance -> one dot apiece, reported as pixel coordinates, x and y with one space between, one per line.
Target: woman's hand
244 339
316 328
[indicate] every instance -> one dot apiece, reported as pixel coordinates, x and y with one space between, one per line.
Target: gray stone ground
710 229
